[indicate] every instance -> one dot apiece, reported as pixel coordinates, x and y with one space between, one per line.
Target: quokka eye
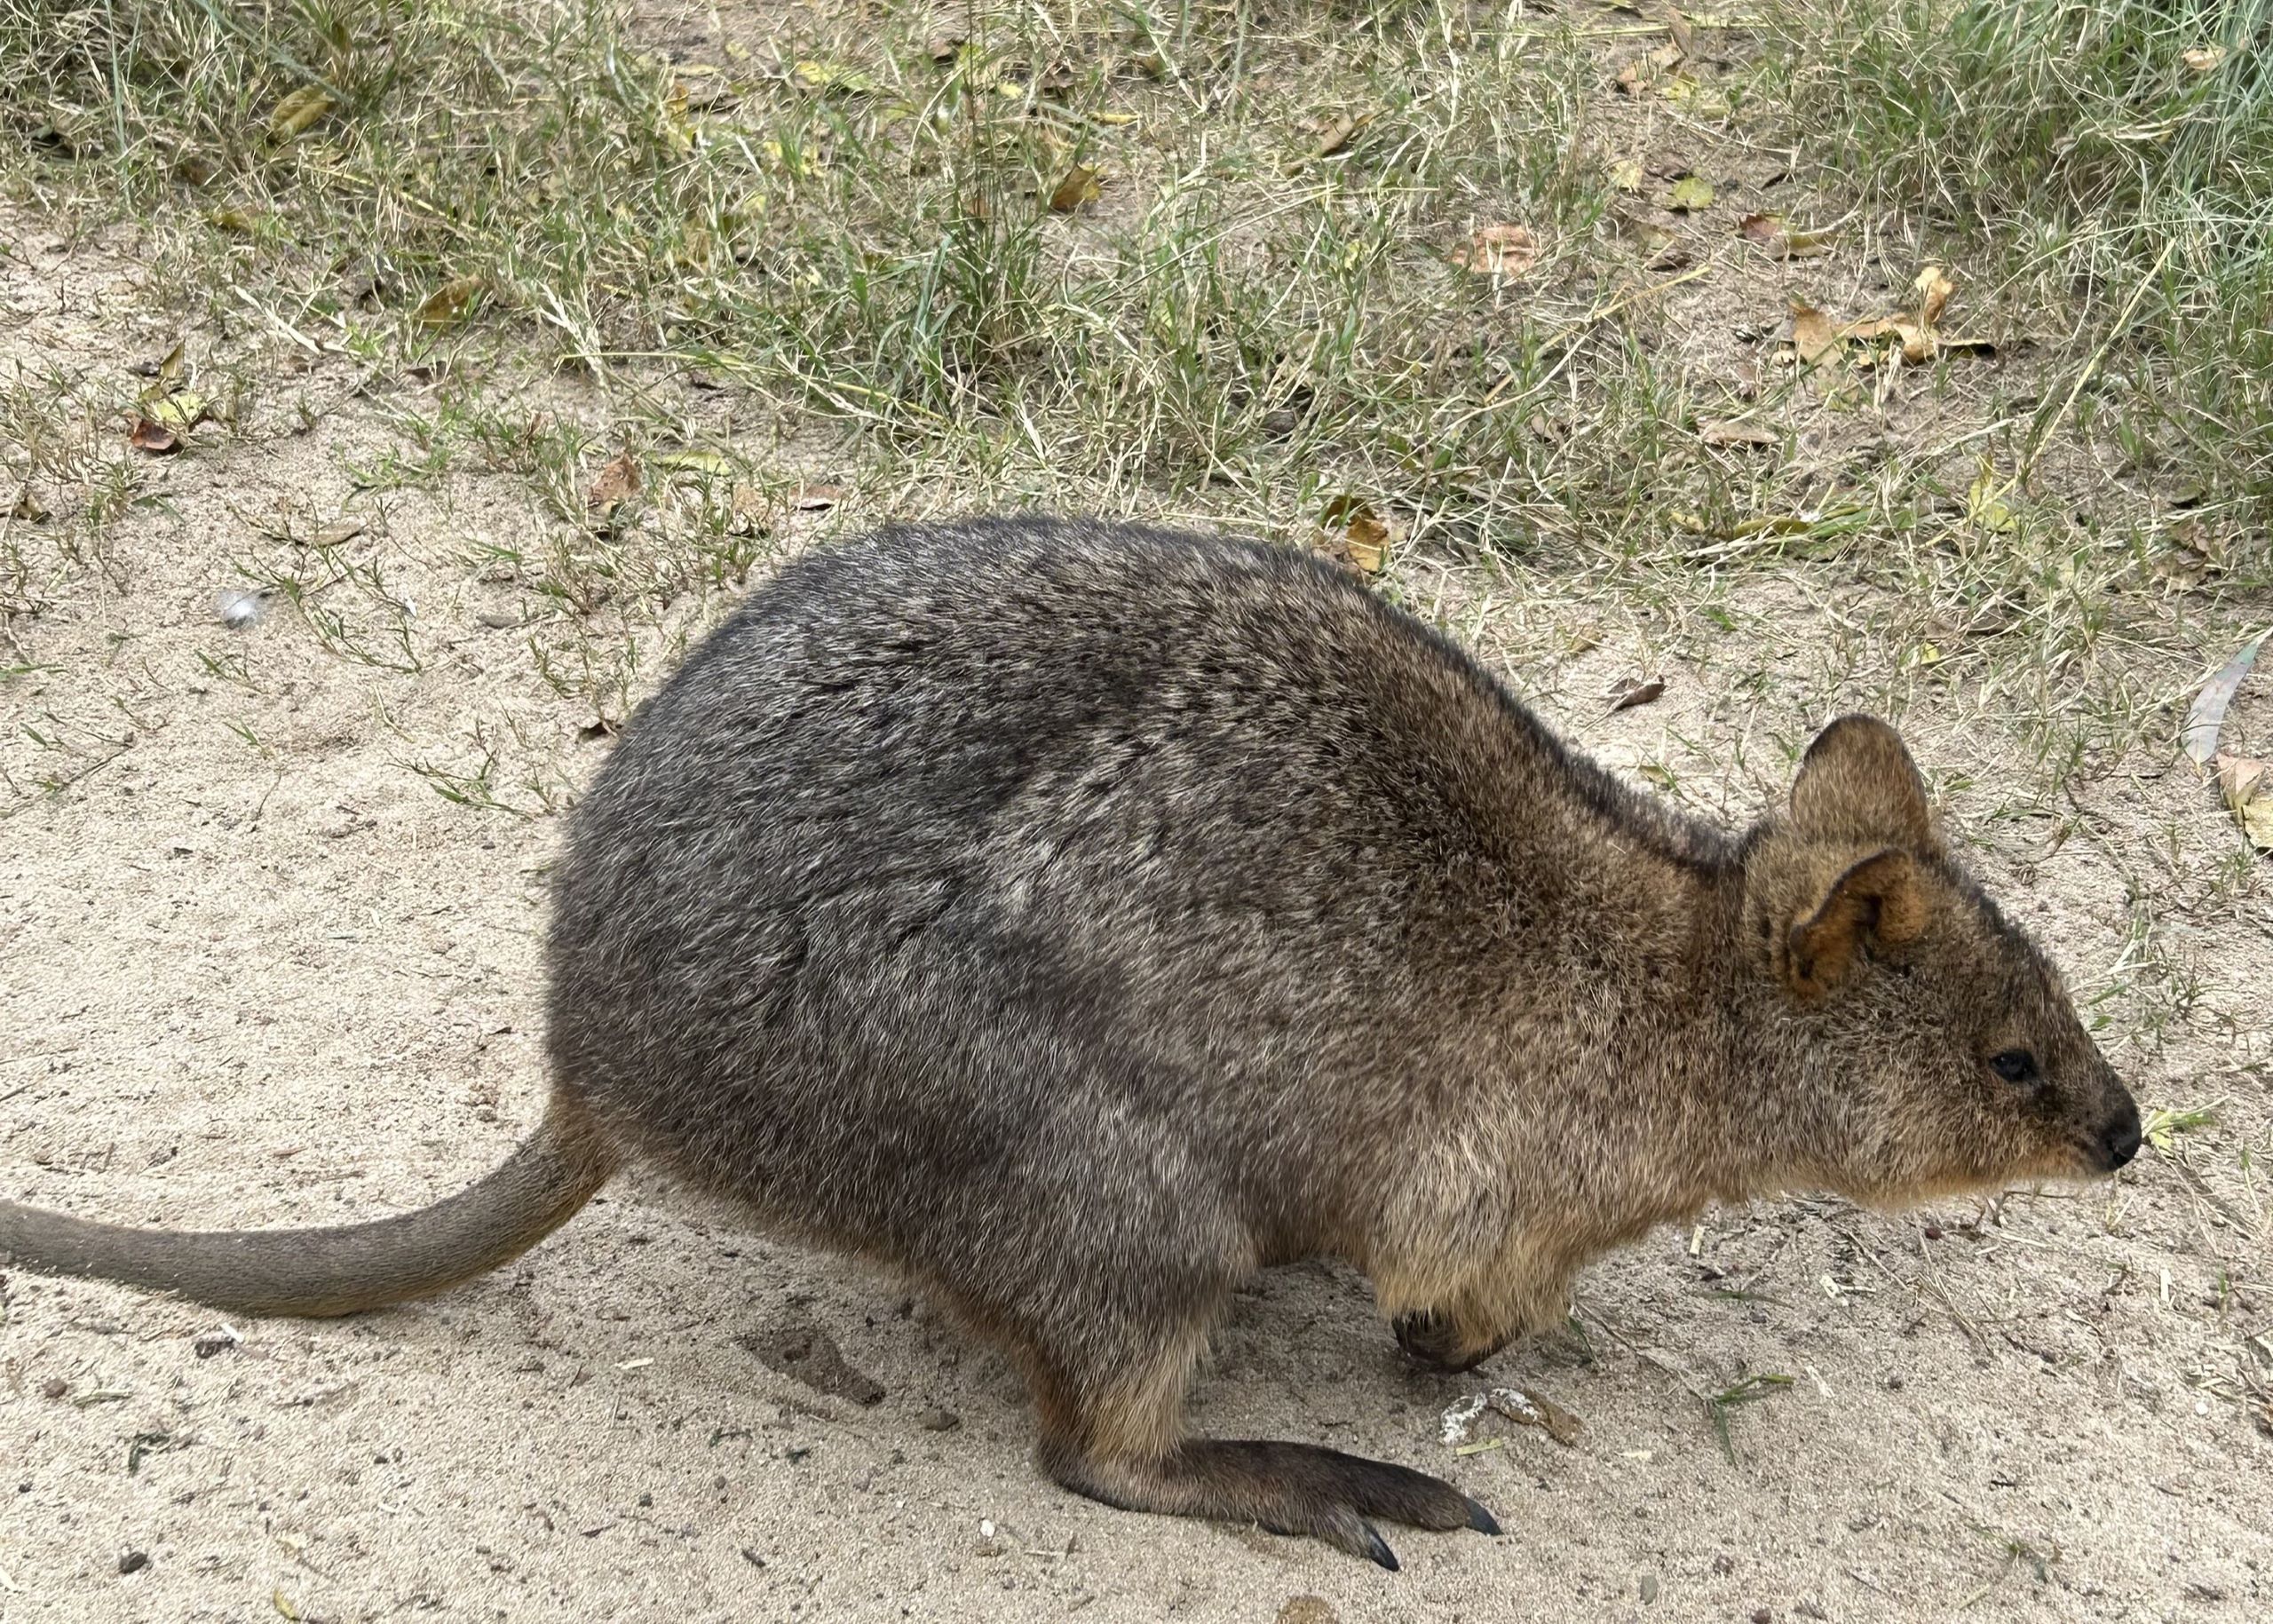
2016 1066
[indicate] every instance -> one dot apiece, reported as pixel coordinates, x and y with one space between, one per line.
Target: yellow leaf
1689 193
1079 186
827 77
242 221
297 112
1986 504
1113 120
1355 535
1626 174
450 302
699 464
178 412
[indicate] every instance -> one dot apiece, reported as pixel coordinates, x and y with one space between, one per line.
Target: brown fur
1080 918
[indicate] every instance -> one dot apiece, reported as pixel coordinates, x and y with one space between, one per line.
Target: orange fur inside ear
1877 896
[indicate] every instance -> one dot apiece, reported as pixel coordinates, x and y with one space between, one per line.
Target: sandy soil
254 970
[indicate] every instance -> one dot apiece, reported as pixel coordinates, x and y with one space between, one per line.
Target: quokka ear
1876 898
1858 785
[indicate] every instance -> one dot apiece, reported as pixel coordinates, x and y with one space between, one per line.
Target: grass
831 254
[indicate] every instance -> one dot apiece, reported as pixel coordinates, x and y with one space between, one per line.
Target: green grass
2111 162
843 234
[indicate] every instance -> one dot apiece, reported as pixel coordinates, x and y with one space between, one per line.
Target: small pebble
1761 1615
133 1561
54 1387
939 1421
1648 1586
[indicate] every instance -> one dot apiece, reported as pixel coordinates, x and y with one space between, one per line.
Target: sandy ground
254 970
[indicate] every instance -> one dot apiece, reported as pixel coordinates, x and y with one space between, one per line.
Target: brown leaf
1079 186
1676 25
1355 535
1735 432
1505 251
1638 690
155 439
450 302
1338 132
1930 294
1813 337
298 112
619 482
2248 787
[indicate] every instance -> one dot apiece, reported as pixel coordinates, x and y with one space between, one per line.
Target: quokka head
1936 1049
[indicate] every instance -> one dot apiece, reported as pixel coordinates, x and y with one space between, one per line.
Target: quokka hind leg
1122 1441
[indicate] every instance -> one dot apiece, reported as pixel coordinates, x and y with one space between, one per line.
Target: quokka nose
2119 1141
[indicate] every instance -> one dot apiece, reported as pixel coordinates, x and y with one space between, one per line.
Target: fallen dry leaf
618 483
1813 337
1734 432
1641 76
1457 1425
298 111
833 78
1635 692
696 464
1338 132
145 435
1079 186
2248 787
1773 232
448 302
2207 714
1930 293
1355 535
1676 25
1689 193
1625 174
2204 59
180 412
1986 504
1506 251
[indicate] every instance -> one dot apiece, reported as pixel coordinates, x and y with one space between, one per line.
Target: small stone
1308 1610
1762 1615
54 1387
1649 1587
647 1500
939 1421
133 1561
